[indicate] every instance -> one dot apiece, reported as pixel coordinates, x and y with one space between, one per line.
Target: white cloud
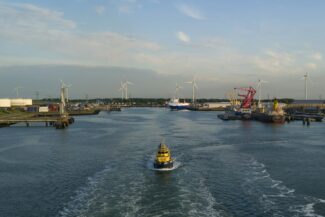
275 62
46 31
317 56
183 37
128 6
280 63
36 12
99 9
124 8
59 40
311 66
190 11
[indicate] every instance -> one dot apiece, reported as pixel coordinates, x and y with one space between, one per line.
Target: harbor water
98 167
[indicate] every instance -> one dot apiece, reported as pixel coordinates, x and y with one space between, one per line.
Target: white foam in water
150 166
198 199
308 209
195 197
275 196
98 198
84 197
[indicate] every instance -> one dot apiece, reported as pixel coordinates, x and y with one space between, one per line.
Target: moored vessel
271 115
237 110
175 104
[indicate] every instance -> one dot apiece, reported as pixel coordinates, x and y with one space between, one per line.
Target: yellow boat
163 158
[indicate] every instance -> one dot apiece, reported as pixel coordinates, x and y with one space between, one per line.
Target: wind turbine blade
188 82
128 82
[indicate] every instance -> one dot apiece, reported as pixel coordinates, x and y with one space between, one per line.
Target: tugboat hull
163 165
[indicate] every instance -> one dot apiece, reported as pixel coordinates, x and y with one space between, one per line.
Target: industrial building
8 103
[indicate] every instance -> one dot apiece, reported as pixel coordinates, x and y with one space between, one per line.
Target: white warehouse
7 103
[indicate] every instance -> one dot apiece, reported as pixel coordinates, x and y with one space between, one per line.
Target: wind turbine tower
17 91
37 94
122 89
126 89
65 88
178 87
259 88
306 77
62 97
194 87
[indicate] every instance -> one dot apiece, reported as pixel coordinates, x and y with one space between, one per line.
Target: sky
94 44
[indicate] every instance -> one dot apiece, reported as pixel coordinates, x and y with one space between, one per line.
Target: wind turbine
37 94
126 88
306 78
122 89
194 87
259 88
17 90
65 88
62 97
178 87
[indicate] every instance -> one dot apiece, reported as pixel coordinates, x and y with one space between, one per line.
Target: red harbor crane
248 96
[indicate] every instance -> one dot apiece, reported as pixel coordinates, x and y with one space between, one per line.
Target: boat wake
274 196
151 167
105 194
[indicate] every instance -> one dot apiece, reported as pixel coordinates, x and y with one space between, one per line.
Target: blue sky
223 43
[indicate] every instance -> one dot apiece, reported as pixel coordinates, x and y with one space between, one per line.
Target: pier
109 108
304 106
58 122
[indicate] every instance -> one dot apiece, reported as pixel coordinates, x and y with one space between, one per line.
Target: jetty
59 121
109 108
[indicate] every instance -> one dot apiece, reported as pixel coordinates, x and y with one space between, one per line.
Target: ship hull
229 116
279 119
163 165
234 115
178 106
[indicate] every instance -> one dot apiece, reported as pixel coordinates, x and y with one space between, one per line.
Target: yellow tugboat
163 158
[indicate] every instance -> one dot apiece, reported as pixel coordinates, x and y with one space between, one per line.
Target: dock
109 108
304 107
59 122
